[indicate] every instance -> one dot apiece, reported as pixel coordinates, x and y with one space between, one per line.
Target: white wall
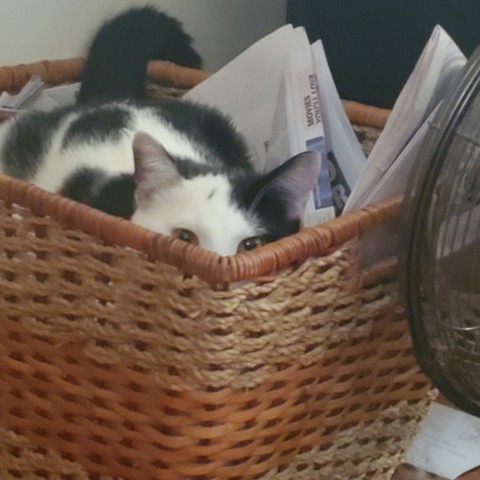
32 30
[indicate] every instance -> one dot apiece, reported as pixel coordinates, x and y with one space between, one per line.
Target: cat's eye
250 244
185 235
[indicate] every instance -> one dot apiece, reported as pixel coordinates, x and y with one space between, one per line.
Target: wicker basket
129 355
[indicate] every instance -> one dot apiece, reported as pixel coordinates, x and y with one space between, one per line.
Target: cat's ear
155 170
293 181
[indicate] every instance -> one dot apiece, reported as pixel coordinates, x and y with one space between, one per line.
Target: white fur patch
203 206
174 142
113 157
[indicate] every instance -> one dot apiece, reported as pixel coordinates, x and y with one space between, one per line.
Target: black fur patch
84 185
190 169
118 57
208 128
271 210
117 196
97 124
93 187
28 139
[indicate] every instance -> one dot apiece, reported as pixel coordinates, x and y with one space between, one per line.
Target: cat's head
223 212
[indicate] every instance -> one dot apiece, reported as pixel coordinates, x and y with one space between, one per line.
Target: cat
172 166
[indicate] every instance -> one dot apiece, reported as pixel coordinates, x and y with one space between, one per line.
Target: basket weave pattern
135 369
128 355
121 307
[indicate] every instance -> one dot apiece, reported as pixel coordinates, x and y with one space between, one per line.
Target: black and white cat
171 166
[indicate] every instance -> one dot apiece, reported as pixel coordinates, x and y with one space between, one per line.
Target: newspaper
434 73
34 96
29 93
55 97
394 181
247 88
298 126
393 158
345 156
271 92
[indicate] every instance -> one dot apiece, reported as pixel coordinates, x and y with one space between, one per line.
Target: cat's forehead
203 204
214 188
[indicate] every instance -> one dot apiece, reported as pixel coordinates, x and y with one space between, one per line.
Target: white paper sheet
435 71
31 90
344 152
55 97
395 179
448 443
34 96
247 88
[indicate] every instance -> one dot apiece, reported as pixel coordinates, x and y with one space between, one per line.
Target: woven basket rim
193 260
55 72
215 269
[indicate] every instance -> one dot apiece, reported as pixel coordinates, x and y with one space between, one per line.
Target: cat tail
117 60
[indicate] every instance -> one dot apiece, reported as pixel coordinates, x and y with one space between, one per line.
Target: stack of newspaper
281 95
